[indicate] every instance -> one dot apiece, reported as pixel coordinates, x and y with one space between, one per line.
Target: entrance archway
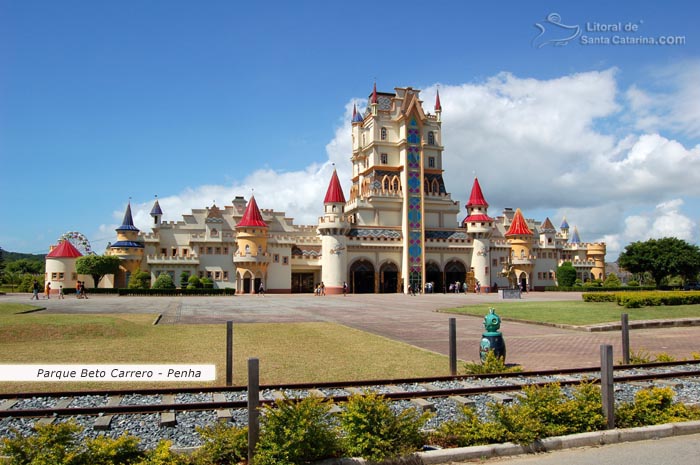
434 275
523 281
362 277
389 278
455 271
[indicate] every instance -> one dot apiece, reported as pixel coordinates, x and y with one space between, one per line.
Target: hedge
645 299
599 288
176 292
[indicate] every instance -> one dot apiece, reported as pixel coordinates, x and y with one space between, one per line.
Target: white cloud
534 144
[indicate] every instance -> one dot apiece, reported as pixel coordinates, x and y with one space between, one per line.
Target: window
209 274
60 276
225 275
260 252
163 251
276 258
225 250
209 250
383 133
173 251
285 260
74 276
54 276
431 162
494 262
247 249
384 158
218 251
431 138
184 252
386 184
217 275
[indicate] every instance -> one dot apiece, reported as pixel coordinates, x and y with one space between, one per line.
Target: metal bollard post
607 389
253 406
625 339
453 346
229 353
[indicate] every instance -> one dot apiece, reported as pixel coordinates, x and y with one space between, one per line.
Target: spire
476 198
547 226
438 107
564 224
128 221
156 209
373 100
252 216
518 227
334 194
356 116
575 239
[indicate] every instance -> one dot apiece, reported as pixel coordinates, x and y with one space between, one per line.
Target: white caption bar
107 372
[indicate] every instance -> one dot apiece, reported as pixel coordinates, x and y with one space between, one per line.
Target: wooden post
453 346
229 353
625 339
253 406
606 384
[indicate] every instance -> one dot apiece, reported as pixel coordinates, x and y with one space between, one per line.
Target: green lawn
288 353
577 313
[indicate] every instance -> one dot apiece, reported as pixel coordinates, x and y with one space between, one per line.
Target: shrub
544 411
55 444
140 280
611 280
294 432
566 275
652 407
491 364
633 283
223 444
193 282
207 283
374 431
164 281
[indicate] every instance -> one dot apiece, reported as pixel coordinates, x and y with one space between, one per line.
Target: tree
566 275
140 280
26 266
2 264
184 276
662 258
97 266
164 281
611 280
194 282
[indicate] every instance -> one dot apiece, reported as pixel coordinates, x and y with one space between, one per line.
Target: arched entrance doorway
389 278
434 275
362 277
523 282
455 271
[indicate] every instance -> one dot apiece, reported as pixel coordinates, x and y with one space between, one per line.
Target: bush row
596 288
177 292
297 432
645 299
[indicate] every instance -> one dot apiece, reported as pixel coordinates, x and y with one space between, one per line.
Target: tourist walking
35 290
47 290
60 292
261 290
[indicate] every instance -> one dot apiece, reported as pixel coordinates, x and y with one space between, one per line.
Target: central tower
397 179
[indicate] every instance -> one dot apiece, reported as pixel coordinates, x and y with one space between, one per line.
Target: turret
333 227
596 252
520 238
564 227
479 228
156 213
129 248
438 106
251 257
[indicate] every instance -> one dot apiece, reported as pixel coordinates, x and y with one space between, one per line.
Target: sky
584 110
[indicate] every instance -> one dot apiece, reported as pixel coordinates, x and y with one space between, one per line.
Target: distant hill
12 256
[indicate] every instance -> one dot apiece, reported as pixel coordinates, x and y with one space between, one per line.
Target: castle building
397 228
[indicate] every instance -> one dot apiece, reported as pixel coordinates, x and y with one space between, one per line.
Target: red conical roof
476 199
518 227
252 216
374 94
334 194
64 249
438 107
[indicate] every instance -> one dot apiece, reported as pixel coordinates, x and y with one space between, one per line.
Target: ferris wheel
79 241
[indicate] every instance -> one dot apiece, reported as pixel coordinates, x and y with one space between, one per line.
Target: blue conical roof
156 209
564 224
575 239
128 221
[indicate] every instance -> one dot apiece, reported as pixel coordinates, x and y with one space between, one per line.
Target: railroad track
423 393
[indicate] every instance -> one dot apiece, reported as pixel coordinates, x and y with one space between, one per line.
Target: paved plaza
415 320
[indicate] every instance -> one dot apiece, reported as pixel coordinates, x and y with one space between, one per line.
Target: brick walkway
410 319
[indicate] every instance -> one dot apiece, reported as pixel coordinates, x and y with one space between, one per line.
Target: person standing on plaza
77 290
47 290
261 290
60 292
345 289
35 290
